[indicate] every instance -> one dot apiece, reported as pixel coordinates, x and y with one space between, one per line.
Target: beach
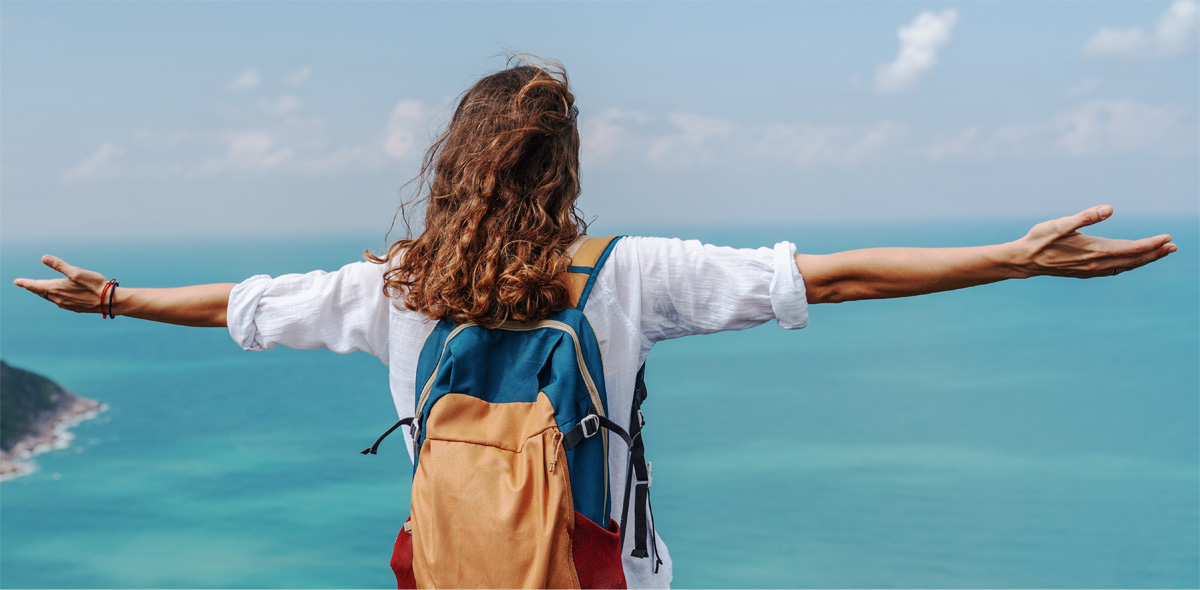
49 435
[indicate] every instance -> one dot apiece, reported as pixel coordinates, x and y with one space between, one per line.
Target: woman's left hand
1056 248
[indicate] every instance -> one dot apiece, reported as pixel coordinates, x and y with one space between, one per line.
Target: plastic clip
649 481
591 425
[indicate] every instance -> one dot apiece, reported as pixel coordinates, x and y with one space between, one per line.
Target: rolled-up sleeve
693 288
343 311
789 302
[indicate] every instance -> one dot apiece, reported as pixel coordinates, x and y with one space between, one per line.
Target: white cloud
262 136
100 165
247 80
1174 35
920 43
344 159
253 151
603 135
270 138
280 107
404 135
815 145
694 142
256 151
1106 126
294 144
799 144
299 76
973 142
699 140
273 152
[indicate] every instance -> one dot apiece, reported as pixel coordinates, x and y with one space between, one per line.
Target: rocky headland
35 415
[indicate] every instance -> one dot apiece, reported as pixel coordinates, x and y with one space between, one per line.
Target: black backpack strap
589 426
375 447
640 486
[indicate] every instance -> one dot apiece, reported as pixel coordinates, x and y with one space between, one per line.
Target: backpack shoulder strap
585 264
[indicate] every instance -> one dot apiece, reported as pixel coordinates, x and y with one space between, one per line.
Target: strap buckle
649 481
590 425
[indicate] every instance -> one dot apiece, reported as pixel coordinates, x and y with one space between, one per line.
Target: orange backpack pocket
491 499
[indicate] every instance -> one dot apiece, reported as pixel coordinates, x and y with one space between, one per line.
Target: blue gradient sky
158 120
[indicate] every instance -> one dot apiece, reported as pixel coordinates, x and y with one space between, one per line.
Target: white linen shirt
651 289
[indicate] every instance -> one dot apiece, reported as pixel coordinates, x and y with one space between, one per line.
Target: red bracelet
104 316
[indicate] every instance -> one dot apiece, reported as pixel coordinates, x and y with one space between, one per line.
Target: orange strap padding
586 256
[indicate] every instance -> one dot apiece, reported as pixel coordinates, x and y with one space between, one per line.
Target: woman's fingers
42 287
78 290
64 293
1054 229
1117 256
71 272
1109 247
39 285
1155 243
1093 215
49 289
1124 263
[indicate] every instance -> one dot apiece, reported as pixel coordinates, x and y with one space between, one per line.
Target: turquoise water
1041 433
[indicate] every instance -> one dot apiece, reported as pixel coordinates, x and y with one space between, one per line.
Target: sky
139 120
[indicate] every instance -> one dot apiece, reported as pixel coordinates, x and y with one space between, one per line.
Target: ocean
1039 433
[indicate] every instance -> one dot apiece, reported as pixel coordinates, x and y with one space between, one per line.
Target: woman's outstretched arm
1052 248
79 290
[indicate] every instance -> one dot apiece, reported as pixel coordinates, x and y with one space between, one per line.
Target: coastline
52 434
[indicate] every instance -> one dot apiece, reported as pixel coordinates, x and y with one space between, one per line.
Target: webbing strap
635 428
653 537
641 486
375 447
581 275
589 426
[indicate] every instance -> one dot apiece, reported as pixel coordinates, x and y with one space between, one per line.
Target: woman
500 187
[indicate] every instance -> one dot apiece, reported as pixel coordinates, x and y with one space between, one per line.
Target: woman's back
651 289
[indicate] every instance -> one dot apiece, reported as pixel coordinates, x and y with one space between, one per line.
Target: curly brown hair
500 208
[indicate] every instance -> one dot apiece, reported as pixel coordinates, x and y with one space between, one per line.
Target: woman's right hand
79 290
1056 248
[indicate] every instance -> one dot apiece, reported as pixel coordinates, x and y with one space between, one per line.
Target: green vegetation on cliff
26 400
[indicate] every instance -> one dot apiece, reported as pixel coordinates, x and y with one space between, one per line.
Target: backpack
511 435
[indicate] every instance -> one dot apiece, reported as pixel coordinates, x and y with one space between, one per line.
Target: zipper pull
558 436
414 431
